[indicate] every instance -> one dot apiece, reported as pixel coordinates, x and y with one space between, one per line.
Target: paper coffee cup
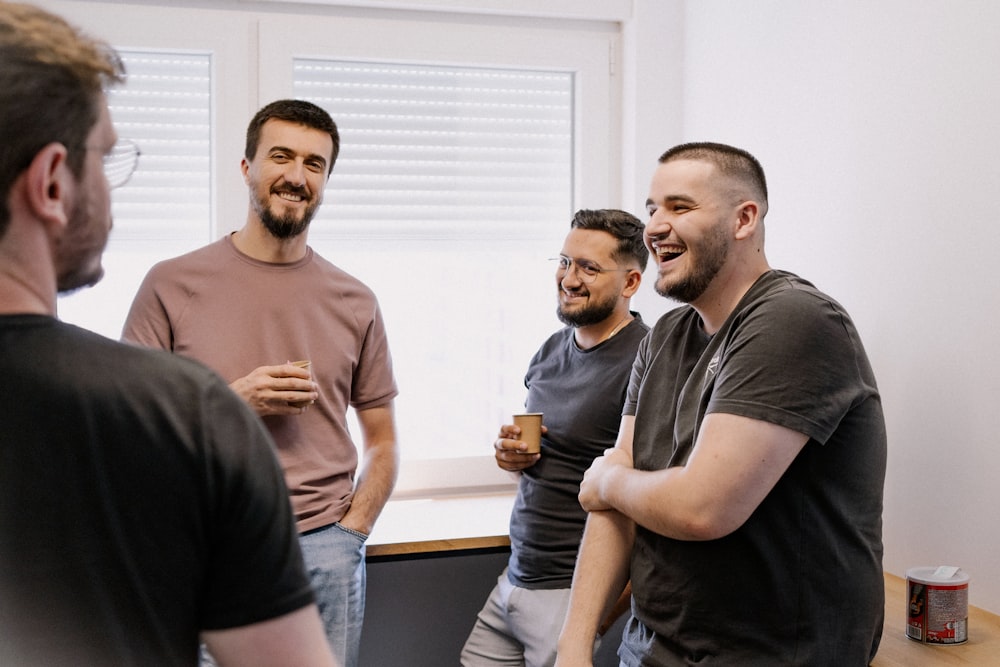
303 364
531 430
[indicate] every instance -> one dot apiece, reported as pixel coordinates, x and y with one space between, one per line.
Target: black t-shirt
800 582
581 393
140 503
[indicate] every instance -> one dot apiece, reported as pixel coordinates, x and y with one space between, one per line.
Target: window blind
165 107
444 151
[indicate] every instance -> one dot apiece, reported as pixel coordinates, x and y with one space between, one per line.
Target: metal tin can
937 605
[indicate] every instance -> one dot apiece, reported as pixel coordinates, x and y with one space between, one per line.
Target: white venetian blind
166 207
165 107
444 151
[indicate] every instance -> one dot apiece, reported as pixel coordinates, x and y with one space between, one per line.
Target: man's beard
80 250
709 261
592 313
286 226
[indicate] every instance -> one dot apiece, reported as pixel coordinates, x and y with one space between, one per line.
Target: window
445 196
459 264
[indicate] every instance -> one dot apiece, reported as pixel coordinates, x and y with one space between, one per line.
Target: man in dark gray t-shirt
577 379
743 500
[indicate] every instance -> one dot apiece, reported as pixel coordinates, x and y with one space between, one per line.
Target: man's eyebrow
679 198
673 199
285 149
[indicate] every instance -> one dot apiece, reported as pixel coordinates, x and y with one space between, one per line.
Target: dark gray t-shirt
800 583
581 393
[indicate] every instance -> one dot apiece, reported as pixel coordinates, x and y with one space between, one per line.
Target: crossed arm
734 464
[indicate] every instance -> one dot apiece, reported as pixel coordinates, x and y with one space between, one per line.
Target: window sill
428 526
468 476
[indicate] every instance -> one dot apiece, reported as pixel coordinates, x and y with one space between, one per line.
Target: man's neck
17 298
255 241
593 335
724 294
26 285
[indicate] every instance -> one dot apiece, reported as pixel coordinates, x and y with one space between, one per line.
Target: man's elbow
705 525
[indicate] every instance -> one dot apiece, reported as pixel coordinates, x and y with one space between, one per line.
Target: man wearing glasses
142 508
578 380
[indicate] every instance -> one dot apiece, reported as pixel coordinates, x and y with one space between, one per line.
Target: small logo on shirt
713 365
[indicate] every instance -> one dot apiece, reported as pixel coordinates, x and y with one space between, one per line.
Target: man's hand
591 488
277 390
509 451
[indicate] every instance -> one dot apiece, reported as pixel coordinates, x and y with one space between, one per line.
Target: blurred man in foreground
141 505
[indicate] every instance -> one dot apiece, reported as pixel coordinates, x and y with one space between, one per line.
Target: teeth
664 251
289 196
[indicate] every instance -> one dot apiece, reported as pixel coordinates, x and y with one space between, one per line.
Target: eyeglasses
120 163
586 271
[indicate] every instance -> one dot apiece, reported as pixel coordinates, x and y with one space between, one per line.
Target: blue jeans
335 560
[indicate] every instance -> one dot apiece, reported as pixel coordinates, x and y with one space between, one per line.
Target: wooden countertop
897 650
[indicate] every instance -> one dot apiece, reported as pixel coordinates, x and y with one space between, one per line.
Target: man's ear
747 219
632 281
48 185
245 169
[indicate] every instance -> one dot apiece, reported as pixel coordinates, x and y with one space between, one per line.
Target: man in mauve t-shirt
259 299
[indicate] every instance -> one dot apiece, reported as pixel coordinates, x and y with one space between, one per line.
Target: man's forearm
600 576
373 487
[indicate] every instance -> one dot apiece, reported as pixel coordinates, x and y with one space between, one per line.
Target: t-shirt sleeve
794 363
255 567
147 323
635 379
374 383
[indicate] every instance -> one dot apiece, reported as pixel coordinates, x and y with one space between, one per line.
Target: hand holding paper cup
530 424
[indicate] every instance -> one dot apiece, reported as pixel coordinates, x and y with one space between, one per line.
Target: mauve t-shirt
234 313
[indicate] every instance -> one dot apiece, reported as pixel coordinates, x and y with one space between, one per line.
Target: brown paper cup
304 364
531 430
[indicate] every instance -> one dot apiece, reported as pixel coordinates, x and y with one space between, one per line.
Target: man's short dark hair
292 111
623 226
729 160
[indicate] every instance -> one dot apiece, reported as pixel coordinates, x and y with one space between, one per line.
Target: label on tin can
937 605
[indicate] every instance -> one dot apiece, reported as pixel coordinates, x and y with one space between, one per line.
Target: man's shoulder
131 365
557 340
205 258
674 317
323 264
782 294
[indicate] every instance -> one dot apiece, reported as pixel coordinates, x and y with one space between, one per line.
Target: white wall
877 125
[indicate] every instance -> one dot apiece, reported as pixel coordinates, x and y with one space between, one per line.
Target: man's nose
570 279
296 173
